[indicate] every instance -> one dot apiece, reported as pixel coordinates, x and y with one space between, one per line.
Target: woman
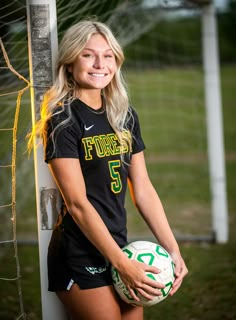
93 147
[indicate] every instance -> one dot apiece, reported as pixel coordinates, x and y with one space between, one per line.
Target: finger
181 270
150 290
146 295
179 277
177 283
152 269
177 272
133 293
152 284
175 287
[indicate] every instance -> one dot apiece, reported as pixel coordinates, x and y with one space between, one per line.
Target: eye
109 56
87 55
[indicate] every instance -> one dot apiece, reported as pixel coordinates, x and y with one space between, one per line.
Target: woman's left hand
180 271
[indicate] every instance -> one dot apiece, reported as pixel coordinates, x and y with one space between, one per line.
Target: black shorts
61 276
85 277
91 277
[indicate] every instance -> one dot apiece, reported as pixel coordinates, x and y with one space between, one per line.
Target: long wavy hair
63 89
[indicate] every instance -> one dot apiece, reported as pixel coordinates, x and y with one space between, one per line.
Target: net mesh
8 207
165 80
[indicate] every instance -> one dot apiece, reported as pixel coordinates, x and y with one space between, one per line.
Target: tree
227 35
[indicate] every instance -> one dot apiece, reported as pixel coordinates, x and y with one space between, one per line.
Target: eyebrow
93 50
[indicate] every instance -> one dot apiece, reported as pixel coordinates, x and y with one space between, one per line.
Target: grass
173 122
209 290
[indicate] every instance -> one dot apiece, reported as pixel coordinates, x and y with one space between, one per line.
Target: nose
99 62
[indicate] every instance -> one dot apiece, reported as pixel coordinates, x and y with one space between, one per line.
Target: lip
98 75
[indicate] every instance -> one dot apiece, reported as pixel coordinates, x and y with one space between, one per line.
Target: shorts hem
84 279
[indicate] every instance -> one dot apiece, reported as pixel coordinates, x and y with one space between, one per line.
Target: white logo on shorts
94 270
70 284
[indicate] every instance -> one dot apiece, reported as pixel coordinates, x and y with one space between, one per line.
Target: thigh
89 304
129 312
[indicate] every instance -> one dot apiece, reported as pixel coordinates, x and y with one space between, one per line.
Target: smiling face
95 66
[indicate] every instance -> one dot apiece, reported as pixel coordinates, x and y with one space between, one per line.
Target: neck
92 98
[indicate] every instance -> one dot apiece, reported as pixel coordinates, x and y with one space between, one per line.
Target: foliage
102 9
169 42
227 35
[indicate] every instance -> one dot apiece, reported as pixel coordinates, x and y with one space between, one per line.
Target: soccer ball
153 255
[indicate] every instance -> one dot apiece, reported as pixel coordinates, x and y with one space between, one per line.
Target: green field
172 116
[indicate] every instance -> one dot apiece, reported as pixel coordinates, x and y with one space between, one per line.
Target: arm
149 205
68 176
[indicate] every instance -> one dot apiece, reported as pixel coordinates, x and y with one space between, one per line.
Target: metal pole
42 35
214 123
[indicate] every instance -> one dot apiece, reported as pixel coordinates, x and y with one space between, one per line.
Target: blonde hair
115 93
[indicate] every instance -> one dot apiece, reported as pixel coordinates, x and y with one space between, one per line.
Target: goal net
164 72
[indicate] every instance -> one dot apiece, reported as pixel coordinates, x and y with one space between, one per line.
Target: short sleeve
137 140
62 137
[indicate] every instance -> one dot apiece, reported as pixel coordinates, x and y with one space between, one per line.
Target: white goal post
215 135
42 35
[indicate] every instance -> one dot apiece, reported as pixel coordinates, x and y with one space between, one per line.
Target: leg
89 304
131 312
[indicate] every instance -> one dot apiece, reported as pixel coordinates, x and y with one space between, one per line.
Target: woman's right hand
134 276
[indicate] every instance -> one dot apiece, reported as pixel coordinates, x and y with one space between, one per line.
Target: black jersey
88 136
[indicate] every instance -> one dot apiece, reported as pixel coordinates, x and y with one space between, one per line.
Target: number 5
116 184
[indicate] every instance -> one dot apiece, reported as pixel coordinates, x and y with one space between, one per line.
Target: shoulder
134 127
132 118
65 112
65 109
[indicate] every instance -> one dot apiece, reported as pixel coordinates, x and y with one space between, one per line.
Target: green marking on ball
165 291
142 258
161 251
115 276
128 252
151 276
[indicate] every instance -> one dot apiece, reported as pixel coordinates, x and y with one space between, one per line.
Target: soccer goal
172 72
175 88
179 106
